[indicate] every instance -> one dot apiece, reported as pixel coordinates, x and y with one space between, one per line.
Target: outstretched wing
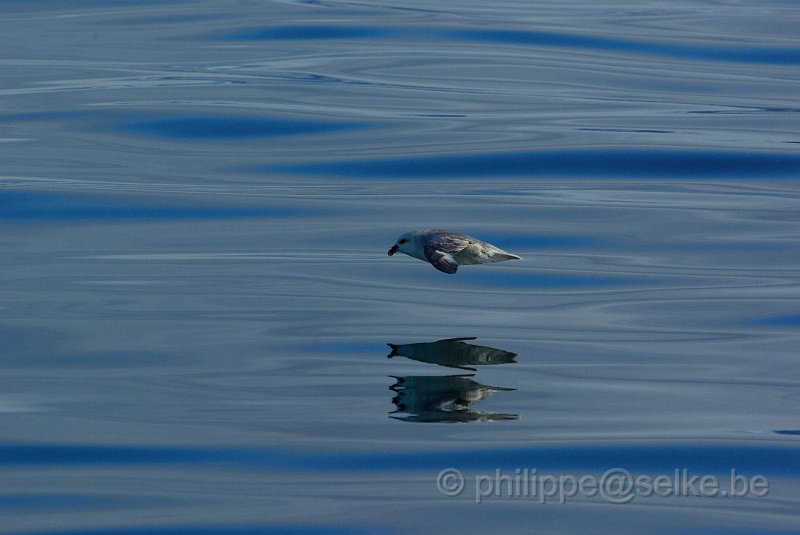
441 247
441 260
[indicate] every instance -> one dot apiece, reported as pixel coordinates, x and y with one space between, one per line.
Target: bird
447 250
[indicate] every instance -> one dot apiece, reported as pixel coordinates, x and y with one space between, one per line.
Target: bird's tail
496 254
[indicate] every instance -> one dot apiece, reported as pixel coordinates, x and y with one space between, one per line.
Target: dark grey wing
441 260
440 248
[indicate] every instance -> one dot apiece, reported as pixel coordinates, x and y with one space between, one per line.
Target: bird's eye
401 242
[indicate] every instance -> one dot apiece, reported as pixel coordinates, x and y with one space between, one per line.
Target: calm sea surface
196 304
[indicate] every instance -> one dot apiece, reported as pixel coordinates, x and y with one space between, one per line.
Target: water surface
195 207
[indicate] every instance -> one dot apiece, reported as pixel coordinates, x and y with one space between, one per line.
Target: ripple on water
47 206
229 127
605 163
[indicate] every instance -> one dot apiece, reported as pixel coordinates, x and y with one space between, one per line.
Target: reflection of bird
447 250
443 399
453 353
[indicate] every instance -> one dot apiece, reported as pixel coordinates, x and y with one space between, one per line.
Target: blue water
651 163
201 331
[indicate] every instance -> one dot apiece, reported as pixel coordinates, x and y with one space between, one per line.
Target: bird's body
447 250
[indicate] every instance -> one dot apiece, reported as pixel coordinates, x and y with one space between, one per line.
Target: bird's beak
394 249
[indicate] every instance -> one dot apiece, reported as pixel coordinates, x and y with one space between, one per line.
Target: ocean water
196 304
